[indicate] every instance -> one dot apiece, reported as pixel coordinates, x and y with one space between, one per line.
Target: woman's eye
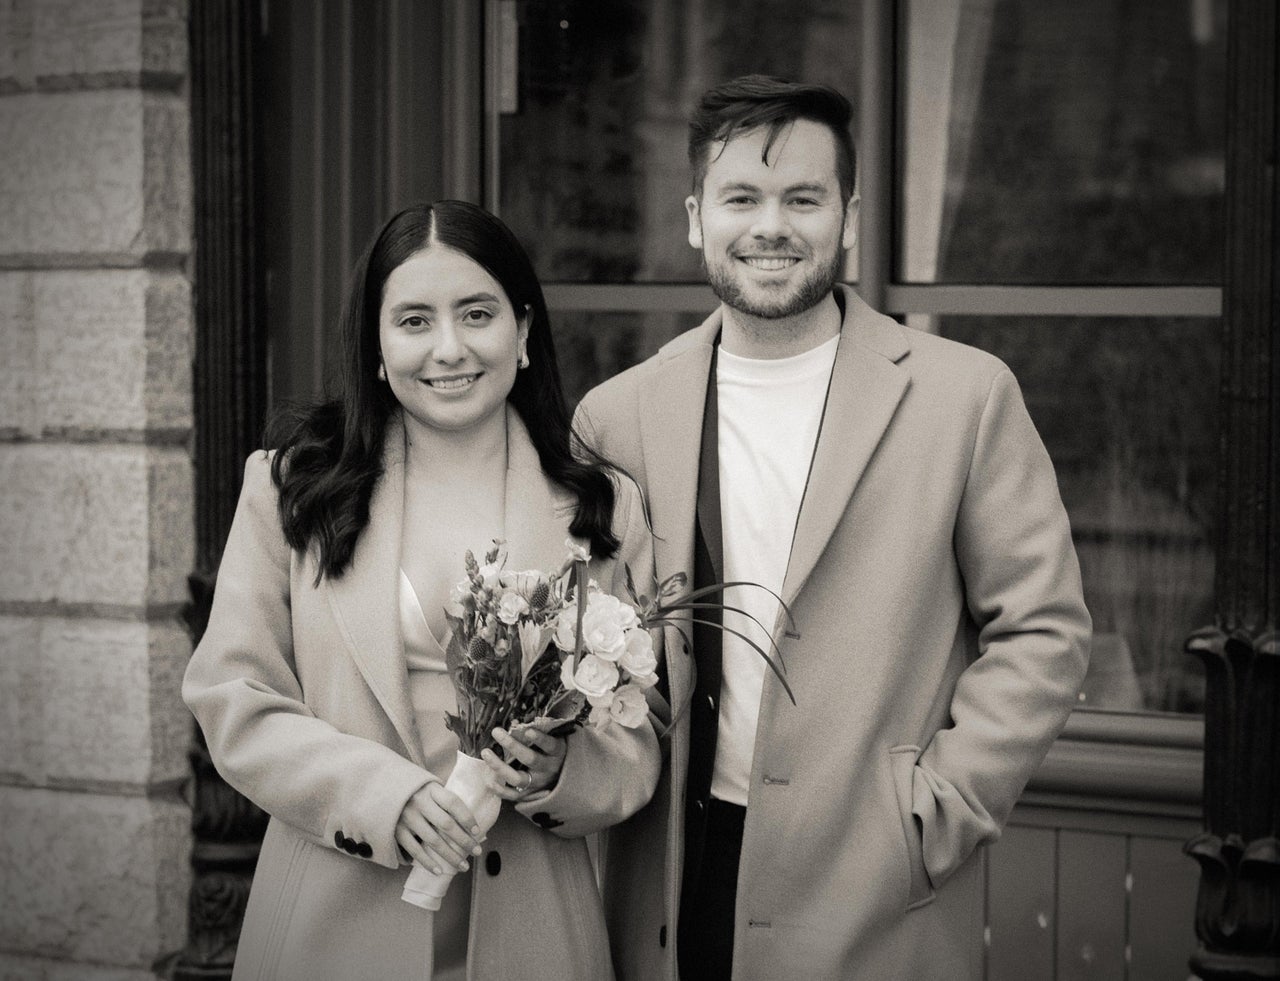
477 316
414 322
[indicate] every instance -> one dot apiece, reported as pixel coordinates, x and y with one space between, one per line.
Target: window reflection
1063 141
593 172
594 346
1128 412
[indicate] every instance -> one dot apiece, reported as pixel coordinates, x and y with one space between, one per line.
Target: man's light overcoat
940 642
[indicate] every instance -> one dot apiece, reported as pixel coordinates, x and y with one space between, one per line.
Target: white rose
594 677
566 629
629 707
491 575
459 597
511 607
605 624
638 659
621 611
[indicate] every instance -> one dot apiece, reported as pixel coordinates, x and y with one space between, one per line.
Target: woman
320 683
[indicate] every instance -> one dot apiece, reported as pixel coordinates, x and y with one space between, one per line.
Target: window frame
1122 762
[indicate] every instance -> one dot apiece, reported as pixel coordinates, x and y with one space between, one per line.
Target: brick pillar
96 510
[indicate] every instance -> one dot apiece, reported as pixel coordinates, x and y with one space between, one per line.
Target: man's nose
771 222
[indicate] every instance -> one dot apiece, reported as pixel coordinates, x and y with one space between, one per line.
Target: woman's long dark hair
329 454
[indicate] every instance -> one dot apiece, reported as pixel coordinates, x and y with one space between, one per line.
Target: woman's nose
448 347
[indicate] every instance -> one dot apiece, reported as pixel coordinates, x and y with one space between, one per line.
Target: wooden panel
1091 906
1162 904
1020 905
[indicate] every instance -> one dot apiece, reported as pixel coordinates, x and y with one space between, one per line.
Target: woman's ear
522 336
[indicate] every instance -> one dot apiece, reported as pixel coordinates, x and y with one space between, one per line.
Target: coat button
711 703
349 845
700 806
493 863
338 839
364 850
662 936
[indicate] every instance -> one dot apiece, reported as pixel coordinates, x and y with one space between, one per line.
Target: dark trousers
705 946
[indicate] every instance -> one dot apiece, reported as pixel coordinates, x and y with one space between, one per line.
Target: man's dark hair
752 101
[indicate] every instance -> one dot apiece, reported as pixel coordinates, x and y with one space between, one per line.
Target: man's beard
808 294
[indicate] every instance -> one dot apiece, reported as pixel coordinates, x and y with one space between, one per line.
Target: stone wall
96 509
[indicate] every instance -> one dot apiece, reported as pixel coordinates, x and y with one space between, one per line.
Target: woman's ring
528 782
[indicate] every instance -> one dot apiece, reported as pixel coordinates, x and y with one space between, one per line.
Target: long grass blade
777 670
720 587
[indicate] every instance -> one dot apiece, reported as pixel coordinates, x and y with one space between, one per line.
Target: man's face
773 233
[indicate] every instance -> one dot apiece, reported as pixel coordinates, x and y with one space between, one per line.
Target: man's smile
769 263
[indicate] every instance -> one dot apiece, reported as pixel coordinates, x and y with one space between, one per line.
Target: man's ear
849 234
695 221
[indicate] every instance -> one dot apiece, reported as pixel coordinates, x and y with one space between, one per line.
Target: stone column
96 508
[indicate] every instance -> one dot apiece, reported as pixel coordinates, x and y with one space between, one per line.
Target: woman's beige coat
303 697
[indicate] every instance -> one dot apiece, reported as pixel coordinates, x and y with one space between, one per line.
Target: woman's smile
452 383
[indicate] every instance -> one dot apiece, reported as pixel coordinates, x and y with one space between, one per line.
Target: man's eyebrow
737 186
811 187
806 187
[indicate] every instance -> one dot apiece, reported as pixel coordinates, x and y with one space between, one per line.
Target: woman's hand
438 830
538 758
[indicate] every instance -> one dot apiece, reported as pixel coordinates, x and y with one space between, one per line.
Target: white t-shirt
769 413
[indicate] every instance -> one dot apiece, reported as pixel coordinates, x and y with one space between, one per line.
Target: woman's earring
524 360
382 372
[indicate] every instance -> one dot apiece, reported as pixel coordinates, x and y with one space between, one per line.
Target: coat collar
867 384
670 428
365 599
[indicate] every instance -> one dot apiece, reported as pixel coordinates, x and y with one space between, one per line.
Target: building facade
1087 189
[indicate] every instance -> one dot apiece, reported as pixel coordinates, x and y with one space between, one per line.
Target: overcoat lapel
669 433
866 387
365 600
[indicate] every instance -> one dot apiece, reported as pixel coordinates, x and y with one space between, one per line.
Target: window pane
1128 412
1062 141
591 347
593 173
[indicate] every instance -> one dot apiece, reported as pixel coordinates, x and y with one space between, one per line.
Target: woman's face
450 339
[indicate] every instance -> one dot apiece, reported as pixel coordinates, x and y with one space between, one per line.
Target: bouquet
551 651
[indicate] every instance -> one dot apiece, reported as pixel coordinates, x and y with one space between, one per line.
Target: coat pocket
920 891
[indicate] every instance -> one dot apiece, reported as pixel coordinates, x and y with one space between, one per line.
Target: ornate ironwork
230 401
1238 903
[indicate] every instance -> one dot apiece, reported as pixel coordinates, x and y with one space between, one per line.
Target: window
1040 179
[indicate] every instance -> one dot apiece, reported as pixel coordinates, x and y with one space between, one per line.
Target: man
890 486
